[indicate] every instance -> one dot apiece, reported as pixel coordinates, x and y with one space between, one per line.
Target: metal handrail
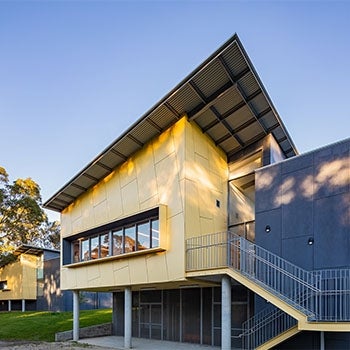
265 326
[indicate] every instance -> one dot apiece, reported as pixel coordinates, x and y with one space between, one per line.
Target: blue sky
75 74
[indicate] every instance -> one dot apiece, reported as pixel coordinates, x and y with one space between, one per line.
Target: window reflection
104 245
129 239
76 256
118 242
143 236
155 233
85 252
94 248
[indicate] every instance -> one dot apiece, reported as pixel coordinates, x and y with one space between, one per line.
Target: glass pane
190 312
129 239
118 242
94 248
151 296
155 233
144 313
76 256
104 245
156 331
143 236
156 314
85 250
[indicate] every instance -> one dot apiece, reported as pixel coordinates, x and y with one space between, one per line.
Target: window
118 242
143 236
3 285
76 251
85 250
95 248
130 237
155 233
104 245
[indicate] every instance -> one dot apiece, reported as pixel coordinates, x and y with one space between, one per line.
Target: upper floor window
136 234
3 285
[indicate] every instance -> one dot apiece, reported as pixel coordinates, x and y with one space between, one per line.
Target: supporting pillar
114 313
23 305
75 315
322 345
9 305
127 317
225 313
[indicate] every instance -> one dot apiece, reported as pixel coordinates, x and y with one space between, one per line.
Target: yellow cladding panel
167 174
206 185
114 198
130 197
146 175
184 174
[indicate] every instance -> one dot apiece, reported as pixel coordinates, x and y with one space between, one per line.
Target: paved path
143 344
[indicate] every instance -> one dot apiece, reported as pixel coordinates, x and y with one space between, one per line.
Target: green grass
42 326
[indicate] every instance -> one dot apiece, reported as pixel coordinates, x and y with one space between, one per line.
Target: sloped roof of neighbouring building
224 96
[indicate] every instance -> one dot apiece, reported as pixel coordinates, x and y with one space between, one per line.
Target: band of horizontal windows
133 234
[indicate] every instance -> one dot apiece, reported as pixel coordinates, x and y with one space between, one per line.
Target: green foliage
42 326
22 219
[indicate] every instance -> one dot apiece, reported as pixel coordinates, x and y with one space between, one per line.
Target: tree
22 219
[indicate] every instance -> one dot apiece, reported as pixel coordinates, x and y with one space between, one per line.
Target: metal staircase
303 297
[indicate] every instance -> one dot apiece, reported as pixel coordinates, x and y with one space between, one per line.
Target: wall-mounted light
310 241
267 228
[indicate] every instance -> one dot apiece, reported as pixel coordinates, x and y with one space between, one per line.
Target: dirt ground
21 345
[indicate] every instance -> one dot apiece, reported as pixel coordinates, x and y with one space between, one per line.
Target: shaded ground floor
190 315
194 315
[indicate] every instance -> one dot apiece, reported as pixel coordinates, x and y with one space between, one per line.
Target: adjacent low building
32 281
207 226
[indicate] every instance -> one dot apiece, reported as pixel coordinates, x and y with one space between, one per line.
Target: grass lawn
16 325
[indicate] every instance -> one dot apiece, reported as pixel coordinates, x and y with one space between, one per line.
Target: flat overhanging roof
224 96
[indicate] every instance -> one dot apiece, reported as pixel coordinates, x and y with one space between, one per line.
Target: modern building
208 227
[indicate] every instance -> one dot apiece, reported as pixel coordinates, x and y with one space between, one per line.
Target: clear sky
75 74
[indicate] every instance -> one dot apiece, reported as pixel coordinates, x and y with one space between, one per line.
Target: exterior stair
303 300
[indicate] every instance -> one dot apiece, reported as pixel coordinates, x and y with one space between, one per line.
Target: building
206 224
31 282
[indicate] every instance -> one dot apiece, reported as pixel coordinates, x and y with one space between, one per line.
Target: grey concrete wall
307 197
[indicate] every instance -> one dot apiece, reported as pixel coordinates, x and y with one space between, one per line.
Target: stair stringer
291 332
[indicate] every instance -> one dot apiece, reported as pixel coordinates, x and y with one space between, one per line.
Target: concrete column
75 315
225 313
9 305
322 344
23 305
114 313
127 318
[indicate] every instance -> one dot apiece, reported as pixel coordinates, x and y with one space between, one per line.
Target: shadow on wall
329 177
